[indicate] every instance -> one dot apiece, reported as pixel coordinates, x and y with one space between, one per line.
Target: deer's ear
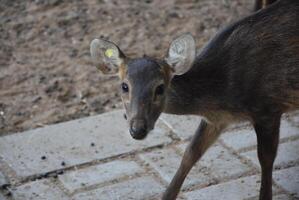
181 54
106 56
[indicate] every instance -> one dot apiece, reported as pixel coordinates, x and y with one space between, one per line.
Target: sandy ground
46 74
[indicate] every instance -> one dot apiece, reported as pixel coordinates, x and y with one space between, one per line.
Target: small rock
73 53
36 99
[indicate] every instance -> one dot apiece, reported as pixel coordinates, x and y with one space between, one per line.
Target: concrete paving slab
294 118
139 188
281 197
98 174
287 153
288 179
71 143
2 197
288 129
184 126
244 138
167 161
242 188
275 197
100 137
221 162
2 179
239 139
39 190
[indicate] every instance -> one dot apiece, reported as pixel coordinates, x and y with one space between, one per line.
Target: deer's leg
205 135
267 131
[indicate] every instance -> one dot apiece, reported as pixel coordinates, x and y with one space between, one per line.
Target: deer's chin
140 136
143 135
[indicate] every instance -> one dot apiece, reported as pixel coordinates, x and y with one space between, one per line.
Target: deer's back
253 64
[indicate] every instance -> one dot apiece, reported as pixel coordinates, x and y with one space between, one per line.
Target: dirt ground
46 74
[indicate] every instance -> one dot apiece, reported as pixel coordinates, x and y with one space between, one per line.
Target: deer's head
144 82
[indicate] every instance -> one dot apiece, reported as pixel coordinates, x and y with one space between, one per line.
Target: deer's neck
203 87
200 89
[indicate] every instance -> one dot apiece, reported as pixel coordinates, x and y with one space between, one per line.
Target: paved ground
95 158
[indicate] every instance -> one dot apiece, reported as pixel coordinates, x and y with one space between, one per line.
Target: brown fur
122 71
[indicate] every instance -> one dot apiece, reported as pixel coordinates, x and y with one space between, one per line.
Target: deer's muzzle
138 129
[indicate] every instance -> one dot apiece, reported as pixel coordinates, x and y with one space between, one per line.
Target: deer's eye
160 90
125 87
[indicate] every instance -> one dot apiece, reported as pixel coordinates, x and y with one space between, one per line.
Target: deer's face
144 82
143 88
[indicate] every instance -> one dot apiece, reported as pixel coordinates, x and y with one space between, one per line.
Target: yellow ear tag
109 53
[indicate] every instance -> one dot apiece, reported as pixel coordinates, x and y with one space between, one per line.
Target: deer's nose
138 129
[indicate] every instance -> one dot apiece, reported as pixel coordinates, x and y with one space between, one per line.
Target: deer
249 71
